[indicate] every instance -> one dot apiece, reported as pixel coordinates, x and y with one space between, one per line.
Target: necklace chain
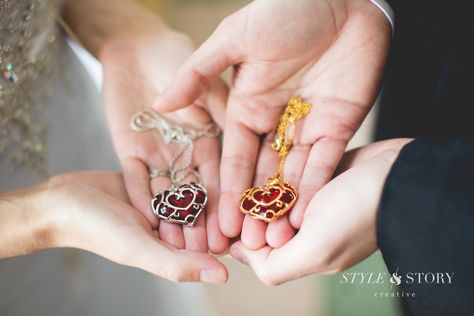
147 119
295 110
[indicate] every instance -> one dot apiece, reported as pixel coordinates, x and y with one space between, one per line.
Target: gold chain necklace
277 197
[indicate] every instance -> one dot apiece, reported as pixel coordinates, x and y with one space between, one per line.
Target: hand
331 53
339 226
91 211
138 65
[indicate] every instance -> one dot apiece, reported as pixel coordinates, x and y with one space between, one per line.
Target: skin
91 211
325 244
332 55
141 55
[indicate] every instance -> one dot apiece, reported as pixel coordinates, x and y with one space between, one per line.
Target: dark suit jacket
426 215
425 225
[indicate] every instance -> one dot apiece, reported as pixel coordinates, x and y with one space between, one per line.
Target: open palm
331 53
136 68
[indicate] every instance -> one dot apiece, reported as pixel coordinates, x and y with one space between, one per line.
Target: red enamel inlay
267 196
181 205
200 197
181 201
248 204
271 201
287 197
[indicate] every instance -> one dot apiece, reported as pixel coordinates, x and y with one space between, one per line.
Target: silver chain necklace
147 119
183 202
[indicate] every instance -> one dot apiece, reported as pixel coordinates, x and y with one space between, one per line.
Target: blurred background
244 294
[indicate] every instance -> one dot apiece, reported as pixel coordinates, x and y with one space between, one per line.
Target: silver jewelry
147 119
182 203
159 173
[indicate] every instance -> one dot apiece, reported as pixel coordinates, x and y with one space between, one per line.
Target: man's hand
339 226
331 53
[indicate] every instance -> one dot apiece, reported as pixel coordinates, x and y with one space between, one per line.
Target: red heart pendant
268 202
181 205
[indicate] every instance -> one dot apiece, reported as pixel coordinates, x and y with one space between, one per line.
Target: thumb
196 75
276 266
175 265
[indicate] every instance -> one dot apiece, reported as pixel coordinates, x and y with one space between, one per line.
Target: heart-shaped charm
268 202
181 205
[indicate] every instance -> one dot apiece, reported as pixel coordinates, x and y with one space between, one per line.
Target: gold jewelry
277 197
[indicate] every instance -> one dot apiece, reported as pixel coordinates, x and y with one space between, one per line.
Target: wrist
386 9
97 23
25 222
129 39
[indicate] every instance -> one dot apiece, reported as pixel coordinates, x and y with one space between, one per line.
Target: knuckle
321 166
176 272
176 275
148 152
198 77
239 162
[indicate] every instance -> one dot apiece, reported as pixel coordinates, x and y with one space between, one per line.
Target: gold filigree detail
277 197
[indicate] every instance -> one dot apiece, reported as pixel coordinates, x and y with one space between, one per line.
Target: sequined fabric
28 46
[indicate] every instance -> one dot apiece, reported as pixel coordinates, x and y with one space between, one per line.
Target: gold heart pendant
268 202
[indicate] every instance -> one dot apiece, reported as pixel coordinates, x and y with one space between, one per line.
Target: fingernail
239 256
211 276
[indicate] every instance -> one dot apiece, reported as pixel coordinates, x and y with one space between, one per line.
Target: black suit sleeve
431 14
426 225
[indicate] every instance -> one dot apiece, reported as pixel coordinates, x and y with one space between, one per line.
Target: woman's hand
331 53
339 226
136 68
90 211
140 57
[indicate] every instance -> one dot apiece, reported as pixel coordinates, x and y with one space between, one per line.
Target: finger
281 231
253 233
319 168
237 168
216 101
253 230
295 162
267 162
293 260
170 233
137 182
195 237
359 155
179 266
209 170
196 75
311 251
